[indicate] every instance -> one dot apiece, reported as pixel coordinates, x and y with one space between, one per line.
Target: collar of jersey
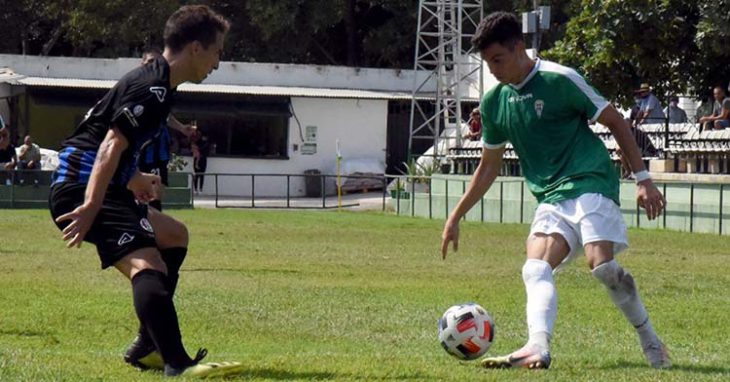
529 76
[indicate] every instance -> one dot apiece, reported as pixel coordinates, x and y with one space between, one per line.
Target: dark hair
674 98
499 27
193 23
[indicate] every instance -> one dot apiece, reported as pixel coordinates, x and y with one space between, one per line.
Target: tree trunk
57 30
353 58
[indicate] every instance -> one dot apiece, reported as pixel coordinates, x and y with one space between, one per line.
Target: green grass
352 296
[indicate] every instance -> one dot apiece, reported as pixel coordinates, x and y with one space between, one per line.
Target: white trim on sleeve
598 101
493 146
598 113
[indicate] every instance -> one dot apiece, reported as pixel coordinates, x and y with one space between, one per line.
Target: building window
237 128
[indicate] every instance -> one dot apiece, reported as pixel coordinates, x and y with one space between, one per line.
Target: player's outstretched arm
482 179
647 194
105 165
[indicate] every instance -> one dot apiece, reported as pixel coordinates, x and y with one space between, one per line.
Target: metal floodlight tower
444 51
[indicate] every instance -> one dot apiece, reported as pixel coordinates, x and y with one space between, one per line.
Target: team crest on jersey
138 110
146 225
159 92
539 106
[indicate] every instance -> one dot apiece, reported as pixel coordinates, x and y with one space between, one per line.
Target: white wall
230 73
360 125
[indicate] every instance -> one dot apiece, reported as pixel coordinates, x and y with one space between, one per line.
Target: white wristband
642 176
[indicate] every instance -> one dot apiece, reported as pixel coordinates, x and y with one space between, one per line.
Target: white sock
542 301
625 296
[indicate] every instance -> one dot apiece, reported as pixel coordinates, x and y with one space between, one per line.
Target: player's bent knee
614 277
535 269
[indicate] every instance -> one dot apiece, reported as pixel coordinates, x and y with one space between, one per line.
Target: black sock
156 312
173 258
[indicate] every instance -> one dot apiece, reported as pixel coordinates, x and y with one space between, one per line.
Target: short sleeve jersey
546 119
137 106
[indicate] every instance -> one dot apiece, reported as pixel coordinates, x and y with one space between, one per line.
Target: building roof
8 75
288 91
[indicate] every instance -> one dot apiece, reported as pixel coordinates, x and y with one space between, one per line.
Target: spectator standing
674 113
201 149
720 117
650 109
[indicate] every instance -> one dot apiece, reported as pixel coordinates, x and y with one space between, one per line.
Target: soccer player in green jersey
543 109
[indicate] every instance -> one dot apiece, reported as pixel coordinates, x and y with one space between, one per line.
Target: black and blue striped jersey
158 150
137 106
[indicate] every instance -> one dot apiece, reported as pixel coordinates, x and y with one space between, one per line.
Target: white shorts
585 219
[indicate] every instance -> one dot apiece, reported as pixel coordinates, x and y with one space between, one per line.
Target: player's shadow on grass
703 369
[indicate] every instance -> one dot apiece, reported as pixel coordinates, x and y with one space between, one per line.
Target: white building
261 118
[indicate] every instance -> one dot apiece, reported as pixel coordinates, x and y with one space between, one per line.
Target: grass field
352 296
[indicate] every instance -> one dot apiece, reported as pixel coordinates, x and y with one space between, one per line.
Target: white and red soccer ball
466 331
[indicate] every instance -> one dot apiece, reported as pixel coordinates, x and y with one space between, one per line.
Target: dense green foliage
677 46
352 296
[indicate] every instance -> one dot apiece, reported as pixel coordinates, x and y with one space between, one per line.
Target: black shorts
120 228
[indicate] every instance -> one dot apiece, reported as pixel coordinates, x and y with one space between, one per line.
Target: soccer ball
466 331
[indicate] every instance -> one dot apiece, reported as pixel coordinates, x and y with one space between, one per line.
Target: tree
679 47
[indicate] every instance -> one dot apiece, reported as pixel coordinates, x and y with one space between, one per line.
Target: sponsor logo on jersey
159 92
146 225
126 238
138 110
539 106
520 98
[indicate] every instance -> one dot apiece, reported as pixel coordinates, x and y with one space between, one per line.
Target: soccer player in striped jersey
543 109
97 185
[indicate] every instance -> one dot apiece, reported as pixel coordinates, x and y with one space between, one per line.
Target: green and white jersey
546 119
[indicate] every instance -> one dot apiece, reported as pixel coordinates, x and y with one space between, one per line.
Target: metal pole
253 190
720 214
413 197
385 190
446 196
463 191
192 194
664 215
397 197
522 202
430 194
216 190
287 191
324 197
666 135
691 205
501 201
